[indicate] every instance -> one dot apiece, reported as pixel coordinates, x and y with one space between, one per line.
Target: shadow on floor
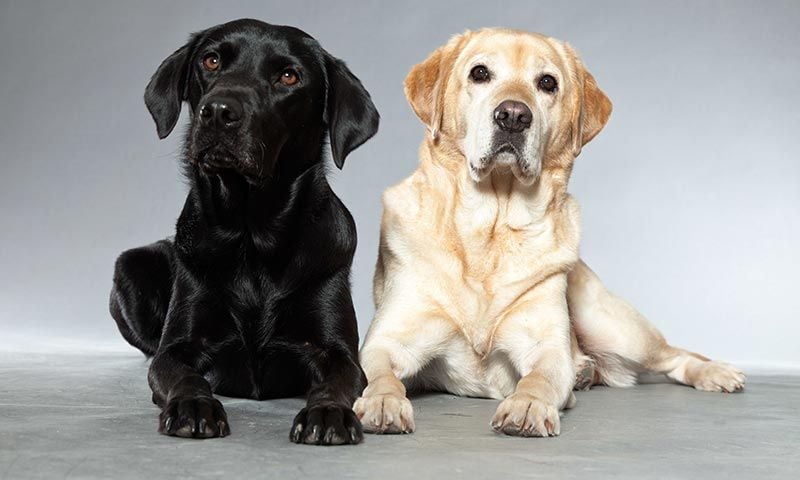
90 416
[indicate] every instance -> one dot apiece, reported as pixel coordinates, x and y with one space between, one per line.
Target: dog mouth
506 152
505 155
218 158
502 154
215 160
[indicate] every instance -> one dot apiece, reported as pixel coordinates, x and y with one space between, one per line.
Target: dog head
509 100
261 98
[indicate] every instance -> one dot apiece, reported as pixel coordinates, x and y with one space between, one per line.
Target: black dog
252 298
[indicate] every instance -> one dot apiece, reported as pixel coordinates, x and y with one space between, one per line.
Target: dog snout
221 113
512 116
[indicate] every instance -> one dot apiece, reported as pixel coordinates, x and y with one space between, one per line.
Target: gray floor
89 416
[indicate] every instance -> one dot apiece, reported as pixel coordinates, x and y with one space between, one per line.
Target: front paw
714 376
194 417
326 425
526 416
385 414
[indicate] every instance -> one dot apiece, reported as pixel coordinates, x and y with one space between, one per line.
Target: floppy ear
592 111
426 83
169 87
349 112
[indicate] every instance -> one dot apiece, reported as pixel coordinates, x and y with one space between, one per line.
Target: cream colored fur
479 288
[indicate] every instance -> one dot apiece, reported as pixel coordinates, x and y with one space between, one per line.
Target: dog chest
472 254
461 371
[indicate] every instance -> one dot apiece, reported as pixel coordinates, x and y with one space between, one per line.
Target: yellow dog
479 287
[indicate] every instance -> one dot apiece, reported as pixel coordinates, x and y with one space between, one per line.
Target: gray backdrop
690 196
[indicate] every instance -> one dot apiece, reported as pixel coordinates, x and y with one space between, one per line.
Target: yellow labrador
479 287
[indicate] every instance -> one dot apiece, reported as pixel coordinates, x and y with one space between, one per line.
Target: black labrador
252 297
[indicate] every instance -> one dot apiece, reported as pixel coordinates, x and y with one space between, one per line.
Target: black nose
220 112
512 116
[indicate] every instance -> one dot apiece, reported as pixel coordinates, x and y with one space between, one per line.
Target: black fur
252 297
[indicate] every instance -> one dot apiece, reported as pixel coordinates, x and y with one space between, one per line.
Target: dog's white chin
525 172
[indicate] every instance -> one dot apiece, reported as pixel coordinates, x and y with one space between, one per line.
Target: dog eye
479 74
548 83
289 77
211 62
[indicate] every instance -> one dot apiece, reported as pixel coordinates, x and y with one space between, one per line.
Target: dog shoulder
403 200
408 222
409 212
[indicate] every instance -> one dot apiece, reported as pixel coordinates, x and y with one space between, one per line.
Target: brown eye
289 77
479 74
211 62
548 83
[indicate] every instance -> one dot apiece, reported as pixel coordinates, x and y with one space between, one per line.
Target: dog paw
194 417
717 377
385 414
584 377
526 416
326 425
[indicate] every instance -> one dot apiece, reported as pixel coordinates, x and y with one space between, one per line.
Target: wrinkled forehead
513 51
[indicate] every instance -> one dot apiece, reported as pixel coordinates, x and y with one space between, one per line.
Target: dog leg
176 373
624 343
396 349
536 337
585 366
142 288
328 418
188 407
330 357
693 369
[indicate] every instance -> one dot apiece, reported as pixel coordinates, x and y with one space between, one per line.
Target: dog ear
595 110
426 83
168 88
593 106
349 112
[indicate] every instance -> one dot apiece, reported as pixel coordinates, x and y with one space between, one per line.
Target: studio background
690 196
